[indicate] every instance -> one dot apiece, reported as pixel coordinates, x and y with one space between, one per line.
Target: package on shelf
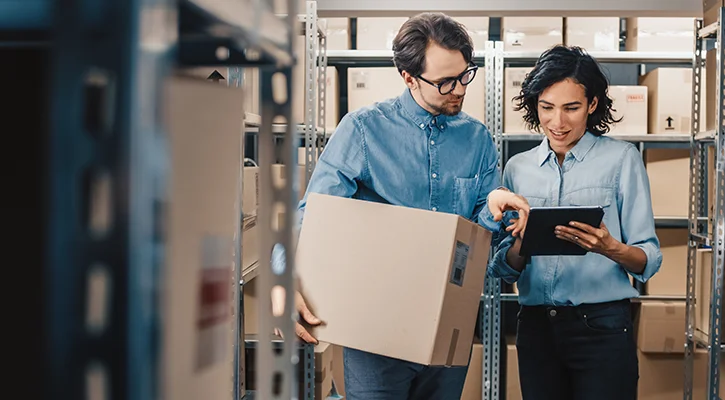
531 33
513 385
323 370
204 123
710 91
670 279
338 369
279 178
250 85
344 242
378 33
250 227
654 34
332 99
661 375
703 291
592 33
513 121
669 93
473 385
629 103
478 29
660 327
337 33
711 10
669 176
366 86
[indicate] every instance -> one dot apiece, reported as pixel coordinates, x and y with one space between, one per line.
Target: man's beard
446 108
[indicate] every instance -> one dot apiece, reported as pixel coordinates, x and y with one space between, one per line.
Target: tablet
539 238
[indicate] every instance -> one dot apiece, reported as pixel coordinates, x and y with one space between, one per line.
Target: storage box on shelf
378 33
660 34
592 33
629 103
381 245
703 288
513 120
669 93
711 10
669 176
531 33
668 280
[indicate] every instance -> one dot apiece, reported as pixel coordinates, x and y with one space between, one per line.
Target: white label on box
460 259
360 80
214 299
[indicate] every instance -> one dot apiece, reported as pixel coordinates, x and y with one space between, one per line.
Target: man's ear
409 80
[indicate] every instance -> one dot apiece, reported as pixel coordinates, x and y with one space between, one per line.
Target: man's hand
500 201
304 313
597 240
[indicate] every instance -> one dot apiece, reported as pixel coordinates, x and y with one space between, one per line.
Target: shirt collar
579 151
418 114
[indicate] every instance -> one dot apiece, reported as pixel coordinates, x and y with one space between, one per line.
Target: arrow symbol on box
669 122
216 76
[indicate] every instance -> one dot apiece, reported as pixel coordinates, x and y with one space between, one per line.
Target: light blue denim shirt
395 152
599 171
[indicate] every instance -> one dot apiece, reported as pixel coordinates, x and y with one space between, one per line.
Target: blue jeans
577 353
374 377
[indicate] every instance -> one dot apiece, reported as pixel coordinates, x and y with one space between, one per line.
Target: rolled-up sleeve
636 216
502 241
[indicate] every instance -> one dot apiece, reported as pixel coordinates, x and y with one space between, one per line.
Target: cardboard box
323 370
279 178
669 176
660 34
478 29
204 123
338 369
513 384
592 33
669 93
250 85
671 279
711 10
384 246
332 100
513 121
703 290
710 92
629 104
712 185
378 33
473 386
338 33
661 376
531 33
661 327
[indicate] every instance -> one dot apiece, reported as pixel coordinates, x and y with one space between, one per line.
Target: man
417 150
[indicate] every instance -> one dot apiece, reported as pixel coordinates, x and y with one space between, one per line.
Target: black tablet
539 238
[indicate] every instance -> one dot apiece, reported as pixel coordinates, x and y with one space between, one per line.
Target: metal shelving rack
699 235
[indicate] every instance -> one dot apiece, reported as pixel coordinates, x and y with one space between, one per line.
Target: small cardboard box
669 92
661 327
670 280
660 34
669 176
400 270
593 33
513 121
630 104
711 10
531 33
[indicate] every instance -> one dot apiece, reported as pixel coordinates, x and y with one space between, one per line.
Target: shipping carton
660 34
669 93
204 123
533 34
356 261
711 10
473 386
378 33
661 327
669 176
629 103
592 33
703 291
513 121
670 280
661 376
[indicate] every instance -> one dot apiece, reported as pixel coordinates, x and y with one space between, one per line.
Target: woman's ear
593 105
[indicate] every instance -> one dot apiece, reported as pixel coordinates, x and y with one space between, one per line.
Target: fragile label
460 259
214 301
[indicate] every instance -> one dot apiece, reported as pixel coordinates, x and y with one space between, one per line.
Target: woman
575 338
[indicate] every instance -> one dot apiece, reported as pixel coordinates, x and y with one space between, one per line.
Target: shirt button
434 175
552 313
441 127
422 125
434 208
432 142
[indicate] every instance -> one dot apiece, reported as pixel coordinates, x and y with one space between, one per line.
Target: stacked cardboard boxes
592 33
534 34
670 280
669 173
660 34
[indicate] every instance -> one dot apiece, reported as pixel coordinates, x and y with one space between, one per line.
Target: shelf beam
498 8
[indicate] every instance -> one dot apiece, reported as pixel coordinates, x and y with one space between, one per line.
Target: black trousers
586 352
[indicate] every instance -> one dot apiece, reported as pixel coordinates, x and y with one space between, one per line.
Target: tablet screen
539 238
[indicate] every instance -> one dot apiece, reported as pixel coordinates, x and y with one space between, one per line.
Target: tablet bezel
539 237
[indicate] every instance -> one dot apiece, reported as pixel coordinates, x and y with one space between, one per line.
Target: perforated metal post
695 200
322 91
718 243
311 43
276 370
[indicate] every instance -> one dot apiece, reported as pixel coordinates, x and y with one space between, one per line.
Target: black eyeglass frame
455 80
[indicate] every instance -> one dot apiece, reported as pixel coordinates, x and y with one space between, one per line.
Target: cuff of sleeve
485 219
500 267
654 260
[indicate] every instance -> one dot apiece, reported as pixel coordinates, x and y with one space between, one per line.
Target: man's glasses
448 85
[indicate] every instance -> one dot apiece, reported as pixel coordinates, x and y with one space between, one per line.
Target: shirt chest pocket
465 196
589 197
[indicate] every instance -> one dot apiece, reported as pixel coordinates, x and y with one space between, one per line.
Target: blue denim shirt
396 152
599 170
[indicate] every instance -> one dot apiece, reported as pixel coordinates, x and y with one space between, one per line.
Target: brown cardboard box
204 123
378 33
661 327
669 93
669 175
250 191
592 33
338 33
629 104
709 91
660 34
473 387
531 33
279 178
513 121
338 369
384 246
323 370
711 10
661 376
332 114
513 385
671 279
370 85
703 290
477 28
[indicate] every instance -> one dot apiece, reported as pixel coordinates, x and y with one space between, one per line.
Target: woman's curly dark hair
560 63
